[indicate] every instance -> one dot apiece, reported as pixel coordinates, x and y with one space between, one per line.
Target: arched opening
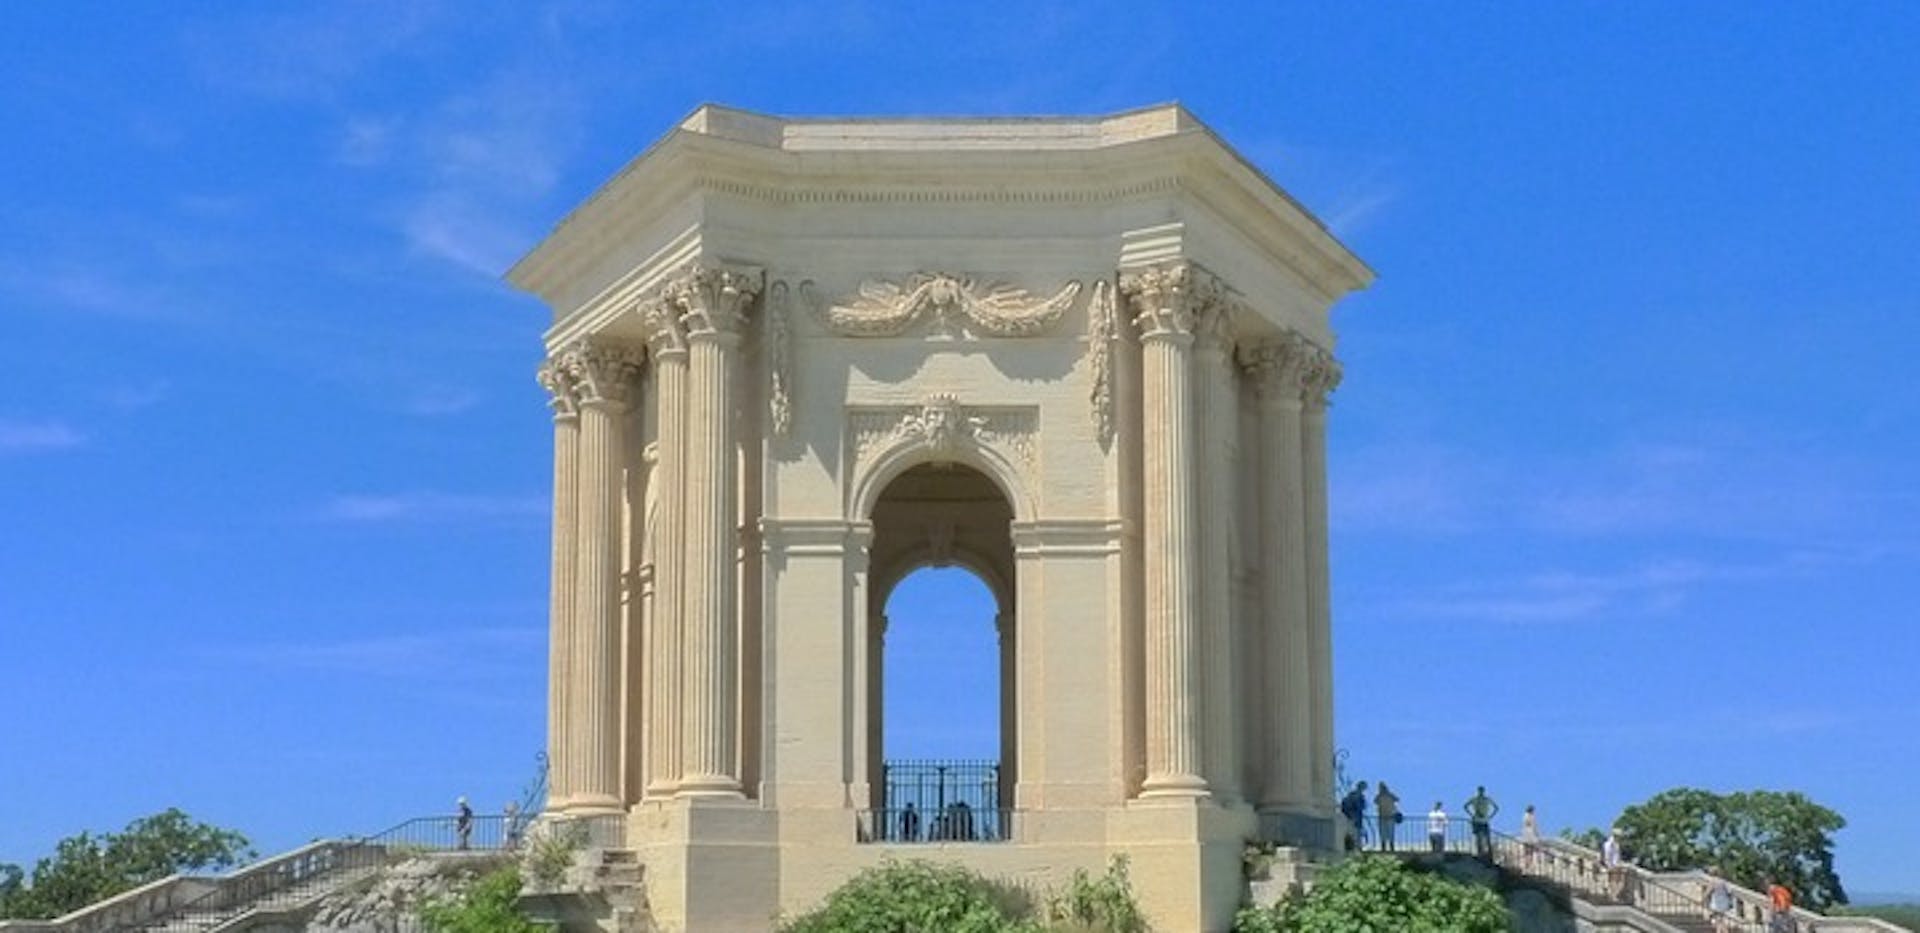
941 696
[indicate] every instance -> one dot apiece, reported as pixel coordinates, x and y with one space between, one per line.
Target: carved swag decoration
952 306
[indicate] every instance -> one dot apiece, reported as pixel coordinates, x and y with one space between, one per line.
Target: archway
946 785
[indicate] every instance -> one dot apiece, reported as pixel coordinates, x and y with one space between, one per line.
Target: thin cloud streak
421 507
37 437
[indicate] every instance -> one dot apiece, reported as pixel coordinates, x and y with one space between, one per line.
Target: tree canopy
1753 837
88 868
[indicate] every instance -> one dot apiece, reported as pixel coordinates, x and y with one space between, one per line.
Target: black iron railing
939 800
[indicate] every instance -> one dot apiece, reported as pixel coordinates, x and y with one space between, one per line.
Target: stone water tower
792 360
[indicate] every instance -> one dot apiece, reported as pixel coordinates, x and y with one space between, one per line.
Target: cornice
1190 160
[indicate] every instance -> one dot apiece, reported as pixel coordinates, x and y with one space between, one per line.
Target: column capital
564 395
666 338
602 371
713 301
1274 366
1319 376
1180 299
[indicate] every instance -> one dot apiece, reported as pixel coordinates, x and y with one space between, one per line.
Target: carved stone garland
1101 334
779 361
954 307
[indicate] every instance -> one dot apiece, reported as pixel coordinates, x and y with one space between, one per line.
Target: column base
1175 785
591 805
709 785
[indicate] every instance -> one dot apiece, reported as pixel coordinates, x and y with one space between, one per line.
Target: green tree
1752 836
491 905
88 868
1380 893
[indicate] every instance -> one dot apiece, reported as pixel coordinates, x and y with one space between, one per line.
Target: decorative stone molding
779 361
1290 368
1102 331
943 427
601 371
711 299
954 306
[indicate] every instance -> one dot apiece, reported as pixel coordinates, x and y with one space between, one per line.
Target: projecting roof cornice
1157 151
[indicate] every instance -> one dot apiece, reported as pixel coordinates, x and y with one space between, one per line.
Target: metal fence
938 800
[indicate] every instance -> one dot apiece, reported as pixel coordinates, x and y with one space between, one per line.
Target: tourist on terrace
1718 901
1386 807
1530 834
1781 900
1437 827
463 824
1610 859
910 823
1480 812
510 832
1354 807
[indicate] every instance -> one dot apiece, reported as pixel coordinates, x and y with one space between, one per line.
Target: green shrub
1377 893
917 896
491 905
1103 904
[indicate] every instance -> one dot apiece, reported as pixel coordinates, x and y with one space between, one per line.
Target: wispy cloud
408 507
310 53
447 655
1650 589
137 397
436 401
37 437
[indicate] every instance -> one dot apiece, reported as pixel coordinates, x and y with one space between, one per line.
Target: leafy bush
914 896
491 905
1378 893
1102 904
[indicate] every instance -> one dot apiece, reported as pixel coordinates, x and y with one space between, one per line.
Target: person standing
1610 859
1386 808
1718 901
1354 807
1437 827
1781 900
1480 812
1530 834
510 832
463 824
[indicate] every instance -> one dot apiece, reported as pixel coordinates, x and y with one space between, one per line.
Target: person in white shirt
1610 858
1437 827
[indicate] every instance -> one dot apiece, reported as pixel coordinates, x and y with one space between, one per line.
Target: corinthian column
1286 694
667 345
603 375
1319 375
1160 304
1217 417
566 483
713 305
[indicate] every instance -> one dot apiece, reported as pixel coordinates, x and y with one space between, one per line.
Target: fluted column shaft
604 377
712 303
1285 647
669 351
1167 533
566 484
1217 418
1322 377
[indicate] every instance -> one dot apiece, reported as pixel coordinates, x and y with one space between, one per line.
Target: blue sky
1622 466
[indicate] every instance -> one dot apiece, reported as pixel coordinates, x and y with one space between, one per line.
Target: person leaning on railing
1437 827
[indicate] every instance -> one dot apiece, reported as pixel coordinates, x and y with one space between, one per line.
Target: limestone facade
793 360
